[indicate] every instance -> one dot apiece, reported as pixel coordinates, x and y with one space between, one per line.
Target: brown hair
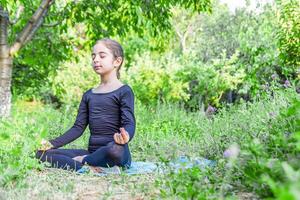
116 50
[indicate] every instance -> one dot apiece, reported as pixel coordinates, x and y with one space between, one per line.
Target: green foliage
158 76
208 82
34 65
288 186
183 79
139 16
267 164
253 34
267 161
76 26
40 57
224 52
238 61
211 34
261 129
165 78
188 184
73 79
259 53
19 138
289 35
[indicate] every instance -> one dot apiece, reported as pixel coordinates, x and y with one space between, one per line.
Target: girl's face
103 60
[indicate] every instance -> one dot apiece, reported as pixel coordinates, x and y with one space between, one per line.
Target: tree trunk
7 52
229 97
5 67
5 85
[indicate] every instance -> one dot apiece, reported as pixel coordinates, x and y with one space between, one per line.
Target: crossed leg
106 156
110 155
62 158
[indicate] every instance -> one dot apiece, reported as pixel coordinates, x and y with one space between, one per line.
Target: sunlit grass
163 133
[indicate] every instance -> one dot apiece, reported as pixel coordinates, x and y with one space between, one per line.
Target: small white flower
232 152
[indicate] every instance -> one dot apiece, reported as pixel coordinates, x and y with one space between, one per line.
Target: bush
183 79
20 137
209 82
154 79
73 79
288 36
264 162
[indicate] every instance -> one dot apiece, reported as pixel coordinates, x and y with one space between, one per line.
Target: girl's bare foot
95 169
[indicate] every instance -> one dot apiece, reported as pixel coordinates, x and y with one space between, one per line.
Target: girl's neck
109 79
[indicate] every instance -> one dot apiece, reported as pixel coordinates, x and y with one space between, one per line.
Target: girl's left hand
121 138
45 145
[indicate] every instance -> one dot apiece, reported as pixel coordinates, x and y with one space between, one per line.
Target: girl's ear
118 61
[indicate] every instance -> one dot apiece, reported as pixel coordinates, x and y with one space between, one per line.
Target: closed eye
101 55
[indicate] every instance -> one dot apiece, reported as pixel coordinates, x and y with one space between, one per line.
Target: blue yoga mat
139 167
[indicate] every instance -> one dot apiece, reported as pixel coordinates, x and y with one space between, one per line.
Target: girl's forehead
100 47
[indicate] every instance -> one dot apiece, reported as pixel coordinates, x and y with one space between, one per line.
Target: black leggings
106 156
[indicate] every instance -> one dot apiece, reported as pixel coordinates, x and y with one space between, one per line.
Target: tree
100 18
288 36
7 51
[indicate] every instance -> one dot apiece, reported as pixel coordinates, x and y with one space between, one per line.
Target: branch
18 14
35 28
31 27
189 29
177 31
51 25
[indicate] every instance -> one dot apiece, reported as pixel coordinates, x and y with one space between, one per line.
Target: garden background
209 81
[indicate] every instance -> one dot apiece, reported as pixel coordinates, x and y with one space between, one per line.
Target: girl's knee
116 153
38 154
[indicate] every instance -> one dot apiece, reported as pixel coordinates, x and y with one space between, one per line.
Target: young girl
109 112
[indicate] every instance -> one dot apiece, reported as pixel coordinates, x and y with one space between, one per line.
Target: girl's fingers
45 145
116 138
122 129
125 135
121 139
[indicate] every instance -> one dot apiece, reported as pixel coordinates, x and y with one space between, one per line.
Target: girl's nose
96 58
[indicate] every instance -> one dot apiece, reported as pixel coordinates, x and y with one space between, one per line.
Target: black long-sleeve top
105 113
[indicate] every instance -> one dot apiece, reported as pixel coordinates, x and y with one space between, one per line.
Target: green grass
163 133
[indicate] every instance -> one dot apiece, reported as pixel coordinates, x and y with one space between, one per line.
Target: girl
107 109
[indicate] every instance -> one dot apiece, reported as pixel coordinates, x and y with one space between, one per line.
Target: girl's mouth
97 67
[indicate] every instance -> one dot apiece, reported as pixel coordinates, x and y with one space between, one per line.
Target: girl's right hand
122 137
45 145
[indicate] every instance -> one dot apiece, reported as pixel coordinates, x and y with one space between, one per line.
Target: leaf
291 174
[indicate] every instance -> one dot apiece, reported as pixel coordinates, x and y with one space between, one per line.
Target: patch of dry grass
60 184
